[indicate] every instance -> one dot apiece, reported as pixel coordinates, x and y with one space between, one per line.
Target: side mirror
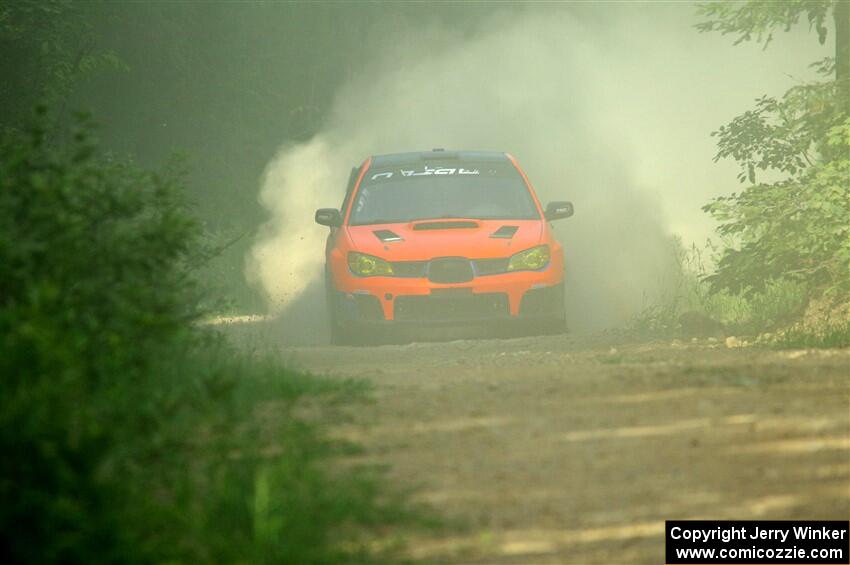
558 209
328 217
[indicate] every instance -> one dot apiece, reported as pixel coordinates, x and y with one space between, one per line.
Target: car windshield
480 190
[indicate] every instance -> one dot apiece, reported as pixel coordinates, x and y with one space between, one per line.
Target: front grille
451 307
480 267
490 266
450 270
409 269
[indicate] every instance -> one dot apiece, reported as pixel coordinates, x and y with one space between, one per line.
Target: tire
339 335
558 324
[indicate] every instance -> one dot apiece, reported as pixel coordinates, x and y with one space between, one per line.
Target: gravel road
575 449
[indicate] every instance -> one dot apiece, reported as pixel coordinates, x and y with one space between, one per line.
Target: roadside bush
788 229
128 434
784 266
93 292
687 303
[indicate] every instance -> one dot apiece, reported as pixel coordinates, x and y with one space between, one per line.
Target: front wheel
336 334
339 335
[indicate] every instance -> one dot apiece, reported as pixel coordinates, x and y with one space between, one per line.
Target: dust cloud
605 106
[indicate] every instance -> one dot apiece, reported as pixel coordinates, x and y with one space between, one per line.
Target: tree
795 228
48 47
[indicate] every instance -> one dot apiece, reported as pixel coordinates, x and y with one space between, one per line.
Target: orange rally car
441 239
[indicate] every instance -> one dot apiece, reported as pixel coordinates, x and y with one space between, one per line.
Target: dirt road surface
575 449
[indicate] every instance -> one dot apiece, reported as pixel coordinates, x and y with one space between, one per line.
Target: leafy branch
757 19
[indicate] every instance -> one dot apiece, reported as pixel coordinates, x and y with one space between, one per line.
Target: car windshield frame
502 172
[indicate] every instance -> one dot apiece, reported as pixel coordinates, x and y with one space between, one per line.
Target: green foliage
49 47
786 135
128 434
687 302
93 293
757 19
794 230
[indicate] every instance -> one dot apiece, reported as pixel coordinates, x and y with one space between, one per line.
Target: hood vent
454 225
505 232
387 235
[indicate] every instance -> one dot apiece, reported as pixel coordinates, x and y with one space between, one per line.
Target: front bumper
523 296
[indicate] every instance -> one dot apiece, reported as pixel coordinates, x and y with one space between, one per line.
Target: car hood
425 239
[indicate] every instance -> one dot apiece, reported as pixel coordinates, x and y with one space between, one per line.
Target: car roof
436 155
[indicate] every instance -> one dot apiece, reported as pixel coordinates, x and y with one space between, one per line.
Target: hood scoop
504 232
441 225
387 235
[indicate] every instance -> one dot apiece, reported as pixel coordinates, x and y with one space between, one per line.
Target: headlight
368 266
530 260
